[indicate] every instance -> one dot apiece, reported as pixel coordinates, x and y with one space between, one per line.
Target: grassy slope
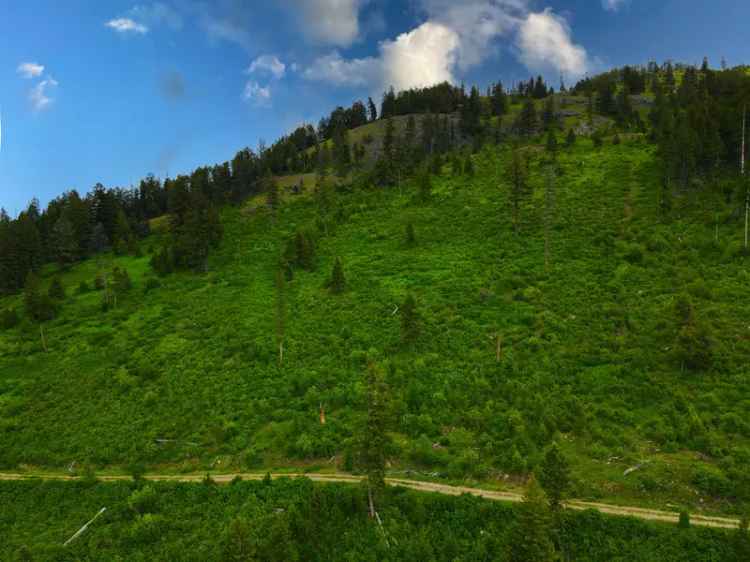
586 346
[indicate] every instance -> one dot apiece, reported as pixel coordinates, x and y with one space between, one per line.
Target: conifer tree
338 282
551 143
425 185
554 476
56 290
517 179
548 115
372 110
410 322
65 244
411 238
531 540
373 441
571 138
280 312
527 120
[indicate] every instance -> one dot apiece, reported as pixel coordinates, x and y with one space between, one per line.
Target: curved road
637 512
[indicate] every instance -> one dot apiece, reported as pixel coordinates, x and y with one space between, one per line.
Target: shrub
9 319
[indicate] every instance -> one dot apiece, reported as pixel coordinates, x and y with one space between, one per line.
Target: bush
83 287
9 319
143 500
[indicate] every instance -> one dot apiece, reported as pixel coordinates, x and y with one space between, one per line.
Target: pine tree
272 191
56 290
551 142
425 185
38 306
527 120
372 110
373 441
571 138
411 238
531 540
548 115
64 242
517 178
410 328
123 233
280 312
554 476
469 166
338 282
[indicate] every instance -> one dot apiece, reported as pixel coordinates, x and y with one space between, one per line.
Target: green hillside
512 353
289 520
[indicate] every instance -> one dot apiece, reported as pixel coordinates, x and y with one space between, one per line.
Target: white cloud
545 44
30 69
270 64
613 5
339 71
155 14
38 96
331 22
127 25
456 37
478 24
256 94
422 57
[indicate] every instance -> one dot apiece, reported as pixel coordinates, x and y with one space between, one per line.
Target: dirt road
638 512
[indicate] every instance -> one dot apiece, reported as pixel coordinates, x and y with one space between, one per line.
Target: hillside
184 373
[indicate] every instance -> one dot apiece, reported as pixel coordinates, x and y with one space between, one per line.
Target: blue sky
110 91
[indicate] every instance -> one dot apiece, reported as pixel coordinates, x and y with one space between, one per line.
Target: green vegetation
289 520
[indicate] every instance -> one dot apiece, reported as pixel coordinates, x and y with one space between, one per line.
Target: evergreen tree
56 290
425 185
548 115
410 321
498 100
64 241
517 178
554 476
372 110
527 121
280 312
552 142
99 242
338 282
38 306
469 166
411 238
571 138
272 191
304 250
373 441
531 540
741 540
123 233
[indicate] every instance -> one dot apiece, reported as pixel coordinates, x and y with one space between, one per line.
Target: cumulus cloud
39 95
127 25
331 22
455 37
269 64
30 69
613 5
544 41
424 56
478 24
256 94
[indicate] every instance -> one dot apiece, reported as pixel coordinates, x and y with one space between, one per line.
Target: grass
588 345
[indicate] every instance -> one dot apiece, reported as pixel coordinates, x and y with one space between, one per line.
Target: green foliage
410 320
411 238
39 307
9 319
554 476
56 290
531 540
684 522
337 283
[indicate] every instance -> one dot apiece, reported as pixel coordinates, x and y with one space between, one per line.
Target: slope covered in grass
186 374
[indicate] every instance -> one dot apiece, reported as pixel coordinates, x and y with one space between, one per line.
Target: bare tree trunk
371 501
44 340
281 352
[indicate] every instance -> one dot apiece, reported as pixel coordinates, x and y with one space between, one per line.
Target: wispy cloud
127 25
330 22
614 5
30 69
269 64
39 94
258 95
